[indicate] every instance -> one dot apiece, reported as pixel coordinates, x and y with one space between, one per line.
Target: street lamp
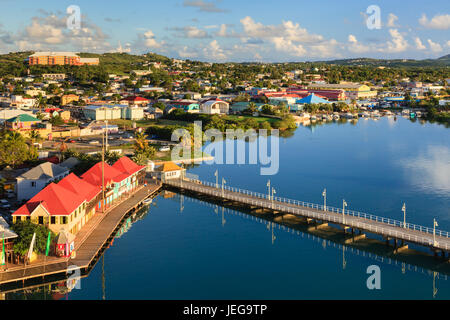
435 224
217 178
273 192
324 195
404 215
344 204
223 182
268 188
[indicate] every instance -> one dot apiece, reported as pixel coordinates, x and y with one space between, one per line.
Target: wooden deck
89 242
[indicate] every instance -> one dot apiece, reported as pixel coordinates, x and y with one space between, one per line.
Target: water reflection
430 171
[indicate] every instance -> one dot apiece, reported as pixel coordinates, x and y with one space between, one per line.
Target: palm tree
34 136
140 141
14 136
40 102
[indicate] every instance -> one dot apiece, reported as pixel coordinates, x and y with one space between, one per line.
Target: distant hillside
439 62
13 64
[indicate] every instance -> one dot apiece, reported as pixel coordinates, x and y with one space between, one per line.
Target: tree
34 136
25 231
14 150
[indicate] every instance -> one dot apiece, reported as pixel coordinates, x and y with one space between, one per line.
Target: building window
63 220
52 220
41 220
33 183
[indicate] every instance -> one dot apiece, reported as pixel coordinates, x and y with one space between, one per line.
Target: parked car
9 193
4 204
94 142
164 148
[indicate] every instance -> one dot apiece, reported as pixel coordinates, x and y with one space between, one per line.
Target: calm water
187 249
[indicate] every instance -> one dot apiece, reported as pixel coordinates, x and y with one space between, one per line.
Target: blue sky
231 30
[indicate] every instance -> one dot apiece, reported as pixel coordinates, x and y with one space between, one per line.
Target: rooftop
46 170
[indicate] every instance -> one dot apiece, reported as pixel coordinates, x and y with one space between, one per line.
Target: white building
214 107
34 180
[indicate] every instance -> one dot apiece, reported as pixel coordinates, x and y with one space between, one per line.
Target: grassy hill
439 62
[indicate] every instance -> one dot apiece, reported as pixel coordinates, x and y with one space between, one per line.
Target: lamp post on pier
273 192
344 204
223 182
268 188
324 195
435 224
404 215
216 174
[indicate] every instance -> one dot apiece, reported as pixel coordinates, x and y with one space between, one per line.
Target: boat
147 201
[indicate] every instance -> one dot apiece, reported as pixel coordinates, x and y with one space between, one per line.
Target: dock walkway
88 243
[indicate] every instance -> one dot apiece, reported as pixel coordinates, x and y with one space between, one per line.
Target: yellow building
352 90
68 98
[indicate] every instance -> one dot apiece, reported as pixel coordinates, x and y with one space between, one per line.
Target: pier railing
287 205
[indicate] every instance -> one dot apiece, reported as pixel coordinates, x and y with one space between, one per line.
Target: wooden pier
90 242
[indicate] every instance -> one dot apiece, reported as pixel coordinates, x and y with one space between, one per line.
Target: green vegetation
14 150
88 160
25 231
142 150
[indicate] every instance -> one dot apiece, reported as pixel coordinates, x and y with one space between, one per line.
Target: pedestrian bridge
437 240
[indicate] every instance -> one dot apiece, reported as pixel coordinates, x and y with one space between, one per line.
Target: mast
103 171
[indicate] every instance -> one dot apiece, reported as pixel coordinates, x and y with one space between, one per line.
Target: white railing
289 206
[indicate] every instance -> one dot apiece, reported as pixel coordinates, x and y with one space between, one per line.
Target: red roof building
69 204
79 186
126 165
54 199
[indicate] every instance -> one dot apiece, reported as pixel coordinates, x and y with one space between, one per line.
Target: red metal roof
56 199
111 175
126 165
135 98
80 187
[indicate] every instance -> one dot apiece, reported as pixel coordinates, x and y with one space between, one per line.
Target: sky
231 30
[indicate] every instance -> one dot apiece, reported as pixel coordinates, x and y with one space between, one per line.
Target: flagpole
103 172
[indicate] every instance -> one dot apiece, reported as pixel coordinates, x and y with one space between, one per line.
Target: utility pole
103 172
106 129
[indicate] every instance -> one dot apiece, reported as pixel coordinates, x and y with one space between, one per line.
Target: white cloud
440 22
392 18
214 52
435 47
194 32
419 44
147 40
287 30
355 46
50 32
397 42
286 45
187 53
